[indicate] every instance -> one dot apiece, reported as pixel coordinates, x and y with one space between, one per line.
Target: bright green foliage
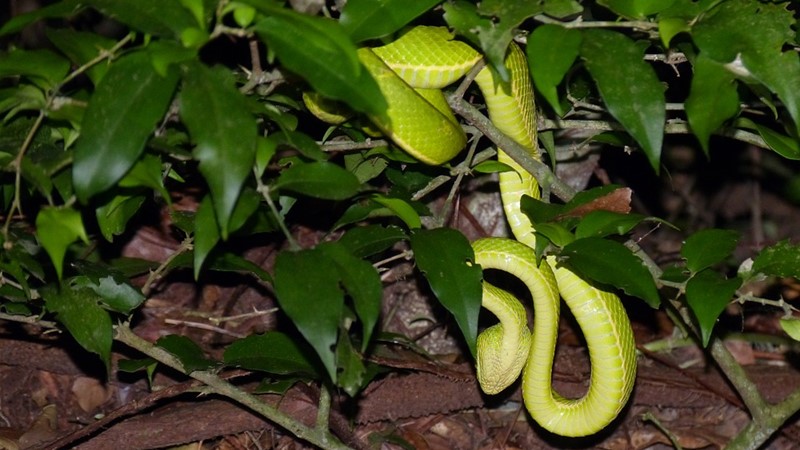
712 100
57 229
551 52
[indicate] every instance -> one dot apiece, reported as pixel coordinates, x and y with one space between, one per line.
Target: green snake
420 122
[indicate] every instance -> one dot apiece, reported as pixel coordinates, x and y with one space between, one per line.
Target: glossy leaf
552 50
272 352
318 179
307 289
445 258
57 229
318 50
63 8
369 240
113 290
86 321
712 100
148 16
791 326
611 263
784 145
629 87
225 133
708 293
749 37
371 19
708 247
556 233
362 282
190 354
119 119
45 67
601 223
401 209
779 260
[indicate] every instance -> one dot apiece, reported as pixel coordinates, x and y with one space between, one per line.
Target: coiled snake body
419 121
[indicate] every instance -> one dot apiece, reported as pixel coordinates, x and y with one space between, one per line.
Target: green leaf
154 17
779 260
708 247
371 19
112 287
369 240
85 320
318 50
362 282
446 258
231 262
781 144
401 208
352 371
708 293
611 263
219 123
629 87
556 233
602 223
44 67
749 37
56 229
190 354
712 100
669 27
313 303
552 50
119 119
112 218
206 233
147 173
318 179
791 326
81 47
272 352
637 9
301 142
63 8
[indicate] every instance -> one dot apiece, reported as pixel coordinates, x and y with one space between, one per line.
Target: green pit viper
411 71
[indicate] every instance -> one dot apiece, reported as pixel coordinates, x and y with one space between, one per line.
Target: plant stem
319 436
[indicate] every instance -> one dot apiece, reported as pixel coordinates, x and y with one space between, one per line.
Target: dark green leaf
371 19
602 223
369 240
556 233
401 208
121 116
351 366
779 260
319 179
113 290
708 293
318 50
206 233
85 320
148 16
539 211
552 50
113 217
712 100
782 144
63 8
190 354
272 352
637 9
562 8
301 142
445 257
708 247
230 262
611 263
57 229
147 173
362 282
629 87
749 37
225 133
42 66
81 47
313 303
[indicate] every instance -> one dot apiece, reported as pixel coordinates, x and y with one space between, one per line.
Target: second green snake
419 121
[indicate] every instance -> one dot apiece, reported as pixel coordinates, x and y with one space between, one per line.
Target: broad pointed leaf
272 352
552 50
371 19
708 293
57 229
708 247
713 98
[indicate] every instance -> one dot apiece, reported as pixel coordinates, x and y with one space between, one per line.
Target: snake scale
411 71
